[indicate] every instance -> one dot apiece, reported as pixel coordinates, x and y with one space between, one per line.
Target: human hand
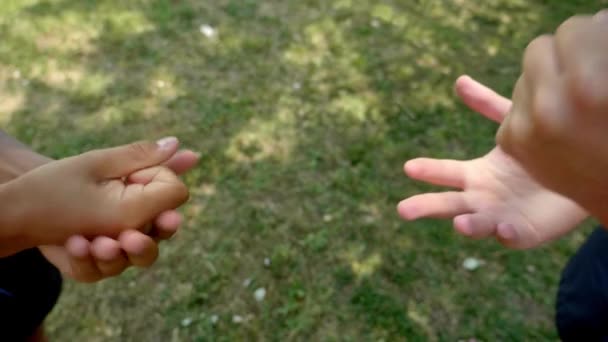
498 198
102 257
112 190
556 129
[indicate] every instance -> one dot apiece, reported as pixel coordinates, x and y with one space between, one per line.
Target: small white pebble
186 321
236 319
247 282
160 84
327 217
375 23
266 262
369 219
296 86
471 264
214 319
208 31
16 74
259 294
531 268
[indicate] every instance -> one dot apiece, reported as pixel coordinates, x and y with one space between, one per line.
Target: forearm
17 158
13 214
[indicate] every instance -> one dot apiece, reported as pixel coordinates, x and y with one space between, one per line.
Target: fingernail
167 143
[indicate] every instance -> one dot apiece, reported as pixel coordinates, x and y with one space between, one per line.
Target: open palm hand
498 198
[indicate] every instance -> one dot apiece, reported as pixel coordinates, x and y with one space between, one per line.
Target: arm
17 158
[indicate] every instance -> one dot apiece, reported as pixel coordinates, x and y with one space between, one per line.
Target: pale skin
494 196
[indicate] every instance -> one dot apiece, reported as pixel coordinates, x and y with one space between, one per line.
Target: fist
557 125
102 192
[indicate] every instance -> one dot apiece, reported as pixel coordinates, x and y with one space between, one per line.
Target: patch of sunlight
362 266
366 267
10 7
456 14
372 213
422 320
333 64
264 138
130 22
343 4
56 76
205 189
316 44
383 12
79 40
109 115
9 104
354 106
426 94
74 30
400 21
163 86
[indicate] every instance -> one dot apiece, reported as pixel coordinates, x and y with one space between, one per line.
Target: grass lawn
304 111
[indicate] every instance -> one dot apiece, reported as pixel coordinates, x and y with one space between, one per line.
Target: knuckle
570 25
182 193
536 50
546 121
581 88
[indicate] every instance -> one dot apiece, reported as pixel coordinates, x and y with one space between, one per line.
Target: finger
516 128
182 161
141 249
601 16
577 31
507 235
166 225
434 205
581 45
108 256
437 171
82 265
482 99
157 189
476 226
118 162
541 79
541 67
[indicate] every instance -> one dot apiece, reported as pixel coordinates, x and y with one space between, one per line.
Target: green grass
305 112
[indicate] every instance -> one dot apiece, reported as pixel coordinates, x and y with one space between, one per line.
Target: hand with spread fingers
496 197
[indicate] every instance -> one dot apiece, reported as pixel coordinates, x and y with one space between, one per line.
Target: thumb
121 161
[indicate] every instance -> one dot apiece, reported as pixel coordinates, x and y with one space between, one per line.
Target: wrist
13 213
17 161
